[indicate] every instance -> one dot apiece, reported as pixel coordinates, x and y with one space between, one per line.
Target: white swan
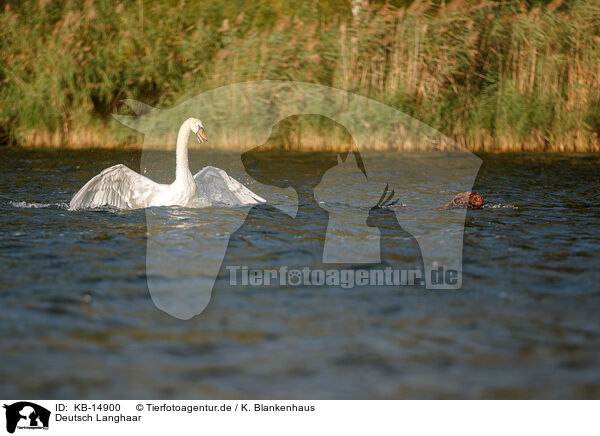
123 188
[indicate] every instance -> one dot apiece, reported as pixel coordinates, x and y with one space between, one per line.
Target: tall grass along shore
492 75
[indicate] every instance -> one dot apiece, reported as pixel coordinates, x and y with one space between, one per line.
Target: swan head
198 129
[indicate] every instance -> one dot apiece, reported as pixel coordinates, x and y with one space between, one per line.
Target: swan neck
182 167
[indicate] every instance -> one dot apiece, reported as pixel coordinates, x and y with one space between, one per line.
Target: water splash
34 205
499 206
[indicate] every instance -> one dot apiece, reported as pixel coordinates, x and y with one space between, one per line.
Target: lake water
78 321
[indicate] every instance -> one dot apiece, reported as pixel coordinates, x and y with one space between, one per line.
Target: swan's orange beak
201 135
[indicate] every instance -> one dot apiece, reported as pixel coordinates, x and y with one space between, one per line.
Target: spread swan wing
218 187
117 186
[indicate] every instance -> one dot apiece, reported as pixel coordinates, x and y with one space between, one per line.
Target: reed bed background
494 76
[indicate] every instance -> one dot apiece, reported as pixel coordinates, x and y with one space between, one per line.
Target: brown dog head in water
465 200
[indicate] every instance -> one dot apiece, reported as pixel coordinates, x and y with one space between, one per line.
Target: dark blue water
77 320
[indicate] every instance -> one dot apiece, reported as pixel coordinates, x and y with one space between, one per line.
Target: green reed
497 76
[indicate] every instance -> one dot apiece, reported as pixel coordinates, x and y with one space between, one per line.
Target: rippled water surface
77 320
